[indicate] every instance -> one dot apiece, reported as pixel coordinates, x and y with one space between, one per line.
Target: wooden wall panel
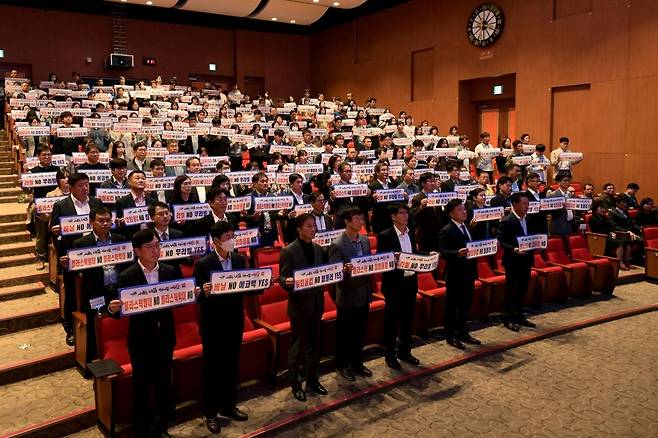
566 8
571 115
422 74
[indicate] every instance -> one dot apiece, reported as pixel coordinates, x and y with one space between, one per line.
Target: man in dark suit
298 198
517 263
139 161
217 199
221 325
100 281
323 222
161 217
427 220
353 296
340 204
305 308
621 221
561 219
503 193
399 288
537 222
136 198
453 169
264 220
460 275
380 217
79 203
151 339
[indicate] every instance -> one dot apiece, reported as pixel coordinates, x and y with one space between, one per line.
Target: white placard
240 280
156 296
238 204
136 215
324 238
97 175
209 162
156 152
309 169
160 183
489 152
466 189
529 148
173 135
439 199
481 248
283 149
186 212
571 156
350 190
303 208
401 141
247 238
45 205
269 203
488 214
581 204
446 152
463 155
96 256
534 207
522 160
372 264
181 248
242 177
418 262
72 132
97 123
110 196
38 179
533 241
177 160
552 203
317 276
202 179
29 131
389 195
70 225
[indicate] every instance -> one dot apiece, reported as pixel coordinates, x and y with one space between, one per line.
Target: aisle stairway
40 387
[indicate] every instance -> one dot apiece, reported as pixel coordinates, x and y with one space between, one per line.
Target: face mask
228 245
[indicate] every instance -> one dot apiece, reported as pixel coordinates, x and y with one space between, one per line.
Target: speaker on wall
119 60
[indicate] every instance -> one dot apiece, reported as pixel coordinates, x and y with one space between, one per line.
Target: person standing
399 288
353 296
517 262
305 308
221 324
461 273
151 339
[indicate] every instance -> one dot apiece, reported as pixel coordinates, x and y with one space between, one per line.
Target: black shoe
317 388
409 358
346 373
470 339
525 323
234 414
363 370
511 326
213 425
70 339
299 393
392 362
456 343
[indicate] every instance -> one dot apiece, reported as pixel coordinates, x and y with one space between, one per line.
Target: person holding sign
264 220
427 219
353 296
341 204
399 288
298 198
92 152
99 284
461 273
517 263
136 198
151 339
561 219
221 325
79 203
381 181
217 199
305 308
484 161
560 165
161 216
64 145
118 179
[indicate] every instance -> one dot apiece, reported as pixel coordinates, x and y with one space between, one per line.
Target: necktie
165 236
523 225
463 227
225 265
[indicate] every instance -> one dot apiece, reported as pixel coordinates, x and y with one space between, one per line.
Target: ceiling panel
234 8
342 4
287 11
158 3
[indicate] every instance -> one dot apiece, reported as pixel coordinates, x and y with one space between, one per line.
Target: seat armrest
267 326
565 267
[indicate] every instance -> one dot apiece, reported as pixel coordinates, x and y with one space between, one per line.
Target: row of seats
557 275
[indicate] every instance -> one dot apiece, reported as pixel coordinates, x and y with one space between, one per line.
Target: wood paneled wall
608 44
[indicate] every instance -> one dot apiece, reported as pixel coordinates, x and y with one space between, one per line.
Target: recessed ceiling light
336 4
316 1
149 2
274 18
293 21
124 1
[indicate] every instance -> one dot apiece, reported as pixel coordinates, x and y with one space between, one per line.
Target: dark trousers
305 344
399 317
221 368
236 163
351 326
152 364
459 296
92 351
517 280
70 304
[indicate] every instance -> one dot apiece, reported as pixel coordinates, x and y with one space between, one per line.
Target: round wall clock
485 25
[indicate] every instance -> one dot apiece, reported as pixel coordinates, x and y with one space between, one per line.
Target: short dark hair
136 171
531 175
43 149
138 145
78 176
100 210
91 146
606 185
219 179
561 176
516 197
118 163
564 140
395 207
220 228
620 198
632 186
503 180
540 147
452 204
314 196
425 177
155 204
299 220
294 177
452 166
142 237
257 177
350 212
214 192
156 162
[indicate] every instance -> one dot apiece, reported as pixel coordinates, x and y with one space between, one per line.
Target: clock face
485 25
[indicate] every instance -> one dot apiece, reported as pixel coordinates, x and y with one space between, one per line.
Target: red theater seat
188 360
434 298
373 243
552 280
328 326
493 285
604 270
274 318
650 234
579 278
534 296
256 353
268 255
420 314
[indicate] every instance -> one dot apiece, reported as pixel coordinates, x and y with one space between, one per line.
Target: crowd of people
151 163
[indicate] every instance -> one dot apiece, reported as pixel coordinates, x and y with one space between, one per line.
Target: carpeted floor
600 381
